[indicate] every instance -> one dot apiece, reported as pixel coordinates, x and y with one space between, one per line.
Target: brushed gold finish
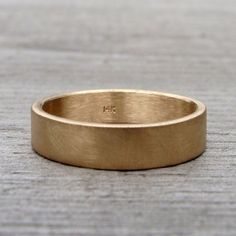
119 129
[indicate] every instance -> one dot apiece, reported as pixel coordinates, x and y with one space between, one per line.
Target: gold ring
119 129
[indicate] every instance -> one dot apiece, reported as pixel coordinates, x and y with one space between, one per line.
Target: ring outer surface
118 146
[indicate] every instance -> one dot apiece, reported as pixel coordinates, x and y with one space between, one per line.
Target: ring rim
37 107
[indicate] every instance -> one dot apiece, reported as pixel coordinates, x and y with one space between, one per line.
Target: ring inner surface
119 107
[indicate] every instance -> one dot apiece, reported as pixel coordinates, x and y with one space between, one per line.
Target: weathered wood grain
186 47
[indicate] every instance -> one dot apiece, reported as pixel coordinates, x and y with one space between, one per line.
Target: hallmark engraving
109 109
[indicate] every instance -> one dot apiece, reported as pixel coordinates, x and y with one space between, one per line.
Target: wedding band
119 129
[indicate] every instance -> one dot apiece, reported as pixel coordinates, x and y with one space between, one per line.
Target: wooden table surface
186 47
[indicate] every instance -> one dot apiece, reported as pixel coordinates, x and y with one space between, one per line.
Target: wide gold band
119 129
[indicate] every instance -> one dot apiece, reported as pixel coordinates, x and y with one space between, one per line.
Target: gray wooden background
186 47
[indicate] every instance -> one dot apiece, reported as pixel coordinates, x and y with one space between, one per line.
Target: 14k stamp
109 109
